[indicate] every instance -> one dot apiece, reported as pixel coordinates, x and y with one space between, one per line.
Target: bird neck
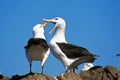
59 35
39 35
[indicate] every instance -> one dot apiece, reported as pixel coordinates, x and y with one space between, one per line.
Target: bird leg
30 69
70 70
42 69
66 71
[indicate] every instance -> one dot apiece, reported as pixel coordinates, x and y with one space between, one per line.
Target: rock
3 77
69 76
112 72
99 73
33 77
95 73
85 75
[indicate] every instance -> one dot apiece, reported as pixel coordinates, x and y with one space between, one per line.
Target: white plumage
87 66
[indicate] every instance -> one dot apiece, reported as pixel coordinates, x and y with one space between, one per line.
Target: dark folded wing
73 51
36 41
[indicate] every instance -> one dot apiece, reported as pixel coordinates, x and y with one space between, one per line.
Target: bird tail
93 58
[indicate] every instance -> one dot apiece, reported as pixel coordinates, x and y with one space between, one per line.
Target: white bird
70 55
37 48
87 66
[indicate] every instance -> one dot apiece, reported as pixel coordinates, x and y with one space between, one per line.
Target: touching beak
45 24
52 21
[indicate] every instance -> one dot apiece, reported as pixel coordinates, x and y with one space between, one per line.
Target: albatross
70 55
37 48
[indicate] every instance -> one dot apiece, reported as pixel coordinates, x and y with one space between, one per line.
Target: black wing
36 41
73 51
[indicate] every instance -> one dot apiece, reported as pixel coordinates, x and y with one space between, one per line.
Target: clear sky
93 24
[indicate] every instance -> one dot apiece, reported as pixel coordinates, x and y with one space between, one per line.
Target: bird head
38 30
58 23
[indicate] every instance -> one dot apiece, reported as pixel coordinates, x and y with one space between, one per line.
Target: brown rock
92 74
112 72
95 73
69 76
85 75
3 77
33 77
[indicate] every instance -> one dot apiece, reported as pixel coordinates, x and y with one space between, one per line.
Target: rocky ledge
95 73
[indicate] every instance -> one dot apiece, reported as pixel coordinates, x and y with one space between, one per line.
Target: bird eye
56 19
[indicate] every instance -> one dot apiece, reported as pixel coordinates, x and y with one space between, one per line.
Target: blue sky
93 24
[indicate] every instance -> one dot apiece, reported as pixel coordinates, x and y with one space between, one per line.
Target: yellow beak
45 24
